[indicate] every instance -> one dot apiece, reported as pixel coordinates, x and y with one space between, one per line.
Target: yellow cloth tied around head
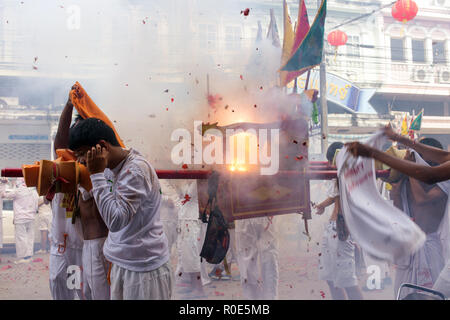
88 109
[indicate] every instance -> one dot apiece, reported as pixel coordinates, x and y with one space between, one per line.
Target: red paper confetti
126 84
213 100
245 12
217 293
298 158
322 294
6 267
167 109
295 141
242 78
35 68
37 260
184 166
171 99
261 88
186 199
255 106
143 21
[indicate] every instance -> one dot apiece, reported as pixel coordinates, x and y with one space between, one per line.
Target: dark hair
78 118
88 132
432 142
331 151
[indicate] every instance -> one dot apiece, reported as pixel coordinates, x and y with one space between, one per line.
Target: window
353 46
439 52
7 204
207 36
418 51
397 51
233 38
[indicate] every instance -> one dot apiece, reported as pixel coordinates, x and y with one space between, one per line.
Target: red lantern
337 38
404 10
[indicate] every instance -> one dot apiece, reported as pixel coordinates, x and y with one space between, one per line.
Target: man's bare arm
423 173
62 135
427 152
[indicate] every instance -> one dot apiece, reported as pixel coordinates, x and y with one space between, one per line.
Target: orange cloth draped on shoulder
88 109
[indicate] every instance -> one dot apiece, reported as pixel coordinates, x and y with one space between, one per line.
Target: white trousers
24 233
1 229
95 270
170 230
337 259
255 239
442 284
132 285
189 245
423 267
58 264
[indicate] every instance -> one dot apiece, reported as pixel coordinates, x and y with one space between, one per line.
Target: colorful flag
288 41
300 32
416 124
404 131
272 32
309 53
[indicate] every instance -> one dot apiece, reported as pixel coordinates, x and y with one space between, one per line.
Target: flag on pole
259 34
404 131
272 32
309 53
288 41
300 32
416 124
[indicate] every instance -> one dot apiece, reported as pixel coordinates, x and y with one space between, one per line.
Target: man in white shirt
25 207
44 218
127 193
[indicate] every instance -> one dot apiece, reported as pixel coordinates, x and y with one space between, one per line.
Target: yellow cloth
288 42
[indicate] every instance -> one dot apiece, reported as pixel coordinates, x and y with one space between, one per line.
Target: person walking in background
25 207
44 218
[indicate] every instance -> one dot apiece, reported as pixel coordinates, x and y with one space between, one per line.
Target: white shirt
25 203
169 202
332 191
188 202
129 204
44 209
62 225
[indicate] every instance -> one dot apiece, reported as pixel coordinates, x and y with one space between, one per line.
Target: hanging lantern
404 10
337 38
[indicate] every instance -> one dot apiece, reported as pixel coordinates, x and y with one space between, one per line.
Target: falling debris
186 199
245 12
